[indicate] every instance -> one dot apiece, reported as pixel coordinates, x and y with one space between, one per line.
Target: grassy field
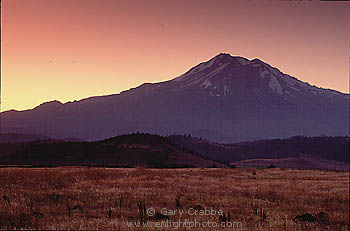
110 199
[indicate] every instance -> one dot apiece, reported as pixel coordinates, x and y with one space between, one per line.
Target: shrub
271 166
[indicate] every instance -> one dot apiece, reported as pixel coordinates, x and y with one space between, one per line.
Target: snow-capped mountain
230 98
224 74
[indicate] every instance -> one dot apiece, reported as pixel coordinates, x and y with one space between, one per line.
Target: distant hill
327 148
135 150
298 162
21 138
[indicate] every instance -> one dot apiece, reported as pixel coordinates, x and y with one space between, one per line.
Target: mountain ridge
234 96
254 61
329 148
132 150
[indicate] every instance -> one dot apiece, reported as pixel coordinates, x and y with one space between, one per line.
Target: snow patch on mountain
263 73
295 89
206 84
195 70
290 80
275 85
226 90
202 67
208 76
217 70
274 71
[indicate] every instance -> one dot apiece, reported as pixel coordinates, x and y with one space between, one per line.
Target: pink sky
72 49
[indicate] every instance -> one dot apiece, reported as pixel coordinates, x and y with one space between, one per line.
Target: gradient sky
72 49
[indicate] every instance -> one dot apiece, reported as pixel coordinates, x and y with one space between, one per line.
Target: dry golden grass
33 202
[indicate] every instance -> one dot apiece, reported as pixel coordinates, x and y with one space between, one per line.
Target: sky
68 50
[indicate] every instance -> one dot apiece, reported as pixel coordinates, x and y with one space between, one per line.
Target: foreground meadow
173 199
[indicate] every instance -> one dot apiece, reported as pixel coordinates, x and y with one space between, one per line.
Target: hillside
299 162
326 148
135 150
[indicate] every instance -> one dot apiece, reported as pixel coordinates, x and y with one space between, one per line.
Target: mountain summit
225 71
226 99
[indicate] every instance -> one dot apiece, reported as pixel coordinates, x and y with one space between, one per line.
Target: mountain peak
224 74
52 104
221 62
220 55
224 58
